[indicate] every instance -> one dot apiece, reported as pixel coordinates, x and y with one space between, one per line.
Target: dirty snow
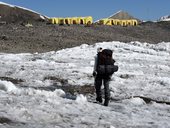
143 71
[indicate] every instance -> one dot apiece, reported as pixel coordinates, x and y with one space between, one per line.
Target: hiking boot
99 100
106 102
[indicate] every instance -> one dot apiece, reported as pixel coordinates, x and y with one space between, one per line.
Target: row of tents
120 18
72 20
89 20
131 22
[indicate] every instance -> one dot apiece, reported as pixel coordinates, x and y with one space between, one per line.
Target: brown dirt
43 37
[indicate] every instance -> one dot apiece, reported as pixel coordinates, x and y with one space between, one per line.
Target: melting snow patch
47 94
112 126
81 99
7 86
135 101
59 92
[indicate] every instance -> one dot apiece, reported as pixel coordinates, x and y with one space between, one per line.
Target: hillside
15 14
122 15
42 37
39 36
165 18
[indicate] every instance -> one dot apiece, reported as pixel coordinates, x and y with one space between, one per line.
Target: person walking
103 70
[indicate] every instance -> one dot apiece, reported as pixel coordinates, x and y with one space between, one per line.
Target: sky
30 99
141 9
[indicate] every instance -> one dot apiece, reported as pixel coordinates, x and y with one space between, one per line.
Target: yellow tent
80 20
72 20
61 21
88 20
67 20
107 21
54 20
115 21
123 22
134 22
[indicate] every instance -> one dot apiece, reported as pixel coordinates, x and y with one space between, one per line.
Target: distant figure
103 69
99 50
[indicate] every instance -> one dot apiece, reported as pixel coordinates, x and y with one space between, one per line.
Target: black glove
94 73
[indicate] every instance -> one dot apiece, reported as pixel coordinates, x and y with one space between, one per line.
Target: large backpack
105 63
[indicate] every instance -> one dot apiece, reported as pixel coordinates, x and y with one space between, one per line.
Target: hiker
103 70
99 50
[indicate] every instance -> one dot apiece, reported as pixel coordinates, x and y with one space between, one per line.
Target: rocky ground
43 37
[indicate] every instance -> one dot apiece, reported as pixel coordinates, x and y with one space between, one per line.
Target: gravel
44 37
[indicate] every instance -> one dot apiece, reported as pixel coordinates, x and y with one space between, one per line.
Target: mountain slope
13 14
165 18
122 15
43 37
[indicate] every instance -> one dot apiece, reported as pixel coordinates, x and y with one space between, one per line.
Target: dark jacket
104 60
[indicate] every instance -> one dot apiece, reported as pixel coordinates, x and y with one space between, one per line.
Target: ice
30 97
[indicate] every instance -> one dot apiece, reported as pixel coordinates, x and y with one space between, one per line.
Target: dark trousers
98 83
